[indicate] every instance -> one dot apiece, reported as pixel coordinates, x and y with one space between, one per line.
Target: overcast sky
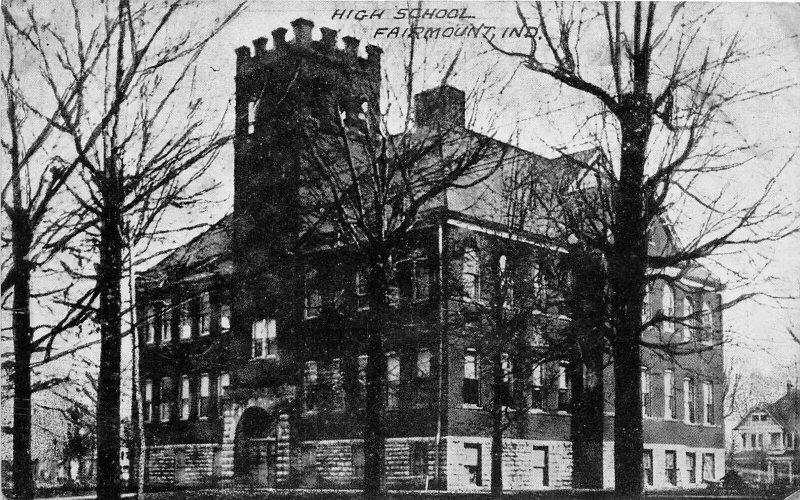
771 125
538 114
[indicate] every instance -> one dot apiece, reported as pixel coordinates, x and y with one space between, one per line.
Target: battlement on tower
303 45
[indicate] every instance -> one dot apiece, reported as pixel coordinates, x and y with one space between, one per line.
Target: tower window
251 116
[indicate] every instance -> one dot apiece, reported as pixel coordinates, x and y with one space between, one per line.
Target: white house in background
766 440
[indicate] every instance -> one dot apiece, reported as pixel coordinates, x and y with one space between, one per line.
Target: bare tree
134 158
37 182
374 186
660 107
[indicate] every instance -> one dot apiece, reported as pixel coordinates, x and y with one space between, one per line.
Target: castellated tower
279 90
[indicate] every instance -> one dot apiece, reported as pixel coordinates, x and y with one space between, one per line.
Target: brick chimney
441 105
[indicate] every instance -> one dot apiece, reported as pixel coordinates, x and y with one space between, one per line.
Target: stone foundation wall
185 465
333 463
520 458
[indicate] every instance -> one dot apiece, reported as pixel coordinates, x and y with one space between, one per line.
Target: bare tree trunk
627 264
497 422
21 239
109 281
108 398
374 432
21 324
136 456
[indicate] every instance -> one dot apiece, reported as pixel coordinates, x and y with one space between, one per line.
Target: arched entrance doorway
255 447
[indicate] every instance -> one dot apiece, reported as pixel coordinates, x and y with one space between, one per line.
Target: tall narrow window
506 282
185 397
251 116
471 274
537 398
472 463
506 390
706 319
671 467
337 390
423 364
647 466
204 401
166 393
186 321
471 389
264 334
310 385
224 383
362 376
690 325
691 468
418 465
688 400
224 318
357 454
422 377
668 309
708 402
148 401
563 387
204 314
166 322
647 406
313 298
150 325
539 466
709 467
670 412
392 380
647 312
361 289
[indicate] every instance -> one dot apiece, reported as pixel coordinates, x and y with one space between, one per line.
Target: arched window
668 309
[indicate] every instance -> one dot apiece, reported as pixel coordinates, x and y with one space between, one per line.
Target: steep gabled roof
785 411
209 251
